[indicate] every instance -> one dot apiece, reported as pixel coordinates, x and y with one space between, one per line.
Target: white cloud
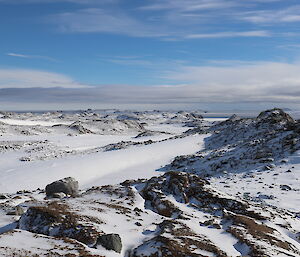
286 15
254 82
230 82
188 5
17 55
254 33
58 1
23 78
99 20
30 56
93 20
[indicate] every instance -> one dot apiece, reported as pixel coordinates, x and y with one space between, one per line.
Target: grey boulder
110 242
68 186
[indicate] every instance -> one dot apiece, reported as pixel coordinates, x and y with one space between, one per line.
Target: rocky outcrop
189 189
275 116
80 129
56 219
187 215
175 239
237 144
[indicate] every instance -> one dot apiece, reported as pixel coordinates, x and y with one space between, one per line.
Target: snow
95 169
265 186
32 122
170 128
91 166
219 237
23 243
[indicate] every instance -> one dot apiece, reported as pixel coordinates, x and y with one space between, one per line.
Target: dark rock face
69 186
110 242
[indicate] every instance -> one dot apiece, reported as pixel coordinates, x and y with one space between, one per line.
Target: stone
110 242
68 186
285 187
58 195
18 210
3 197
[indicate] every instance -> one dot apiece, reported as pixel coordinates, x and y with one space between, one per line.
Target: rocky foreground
193 209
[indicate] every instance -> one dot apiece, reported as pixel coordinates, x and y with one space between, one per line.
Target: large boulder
69 186
110 242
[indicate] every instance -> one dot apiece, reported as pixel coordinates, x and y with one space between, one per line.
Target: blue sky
112 53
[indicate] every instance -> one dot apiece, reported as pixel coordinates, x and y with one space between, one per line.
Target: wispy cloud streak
31 56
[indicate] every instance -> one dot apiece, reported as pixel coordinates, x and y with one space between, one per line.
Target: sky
169 54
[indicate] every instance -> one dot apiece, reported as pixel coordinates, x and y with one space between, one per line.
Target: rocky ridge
240 144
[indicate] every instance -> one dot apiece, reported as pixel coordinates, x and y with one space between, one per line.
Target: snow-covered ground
266 186
193 186
31 122
94 169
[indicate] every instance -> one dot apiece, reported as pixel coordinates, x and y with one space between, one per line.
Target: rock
80 129
25 159
266 197
69 186
58 195
266 160
269 167
285 187
246 195
136 209
3 197
110 242
234 117
57 219
18 210
210 223
263 153
275 116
